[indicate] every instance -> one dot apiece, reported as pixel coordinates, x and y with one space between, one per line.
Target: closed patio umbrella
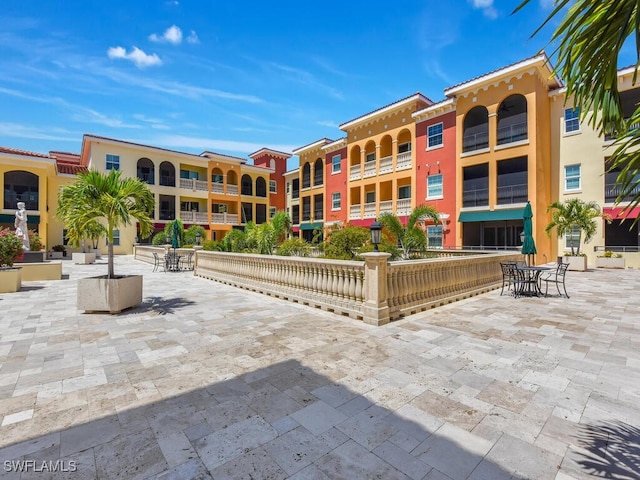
175 238
528 244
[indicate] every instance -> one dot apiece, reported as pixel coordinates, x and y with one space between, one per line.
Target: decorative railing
475 198
193 184
232 189
194 217
475 141
386 206
513 194
228 218
386 165
512 133
369 210
354 211
217 188
370 169
404 207
613 190
354 172
375 290
404 161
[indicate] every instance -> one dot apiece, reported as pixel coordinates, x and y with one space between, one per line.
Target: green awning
491 215
311 226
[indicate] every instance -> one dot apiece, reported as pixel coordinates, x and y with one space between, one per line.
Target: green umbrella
528 244
175 238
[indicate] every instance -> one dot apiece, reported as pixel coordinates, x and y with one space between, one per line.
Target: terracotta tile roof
417 95
16 151
89 136
70 168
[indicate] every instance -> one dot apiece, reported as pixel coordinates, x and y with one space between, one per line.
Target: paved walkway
207 381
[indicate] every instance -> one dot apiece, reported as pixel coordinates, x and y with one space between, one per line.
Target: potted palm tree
115 202
410 237
576 218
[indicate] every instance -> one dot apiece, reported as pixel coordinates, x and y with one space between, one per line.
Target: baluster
358 291
352 284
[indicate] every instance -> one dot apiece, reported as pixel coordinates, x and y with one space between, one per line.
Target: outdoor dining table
530 280
172 262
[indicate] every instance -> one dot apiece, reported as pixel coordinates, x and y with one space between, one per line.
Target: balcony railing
370 210
404 161
146 177
386 206
232 189
612 136
167 215
194 217
224 218
217 188
193 184
386 165
167 180
475 198
354 211
475 141
404 207
369 169
613 190
354 172
513 194
512 133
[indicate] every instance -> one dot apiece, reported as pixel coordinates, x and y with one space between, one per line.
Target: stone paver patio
208 381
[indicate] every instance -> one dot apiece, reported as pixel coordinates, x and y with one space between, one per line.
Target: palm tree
411 237
107 197
590 37
575 214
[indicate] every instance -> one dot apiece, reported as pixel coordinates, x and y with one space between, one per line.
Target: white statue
21 226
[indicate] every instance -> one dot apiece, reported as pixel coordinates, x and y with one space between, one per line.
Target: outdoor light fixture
522 237
376 229
197 238
168 239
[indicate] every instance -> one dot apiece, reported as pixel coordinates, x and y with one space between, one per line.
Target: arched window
306 175
20 186
318 170
475 130
246 187
167 174
512 119
146 170
261 187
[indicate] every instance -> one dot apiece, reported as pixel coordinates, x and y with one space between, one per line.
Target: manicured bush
294 247
10 247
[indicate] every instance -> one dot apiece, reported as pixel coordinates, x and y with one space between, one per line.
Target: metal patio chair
558 277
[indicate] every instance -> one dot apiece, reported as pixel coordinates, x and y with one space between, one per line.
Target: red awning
618 213
295 229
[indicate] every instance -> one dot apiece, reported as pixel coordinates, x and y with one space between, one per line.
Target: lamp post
198 238
521 237
168 239
376 229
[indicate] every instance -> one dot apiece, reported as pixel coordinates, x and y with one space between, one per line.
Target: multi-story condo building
276 162
312 191
504 155
336 177
292 198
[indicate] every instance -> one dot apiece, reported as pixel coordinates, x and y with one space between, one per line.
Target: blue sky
234 77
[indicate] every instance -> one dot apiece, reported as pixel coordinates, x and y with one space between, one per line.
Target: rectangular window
335 163
288 187
65 240
272 212
116 238
434 186
335 201
434 136
113 162
404 192
273 186
572 238
370 197
572 177
371 157
404 147
434 236
572 120
189 174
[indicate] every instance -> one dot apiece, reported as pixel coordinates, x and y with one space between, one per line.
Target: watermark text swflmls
39 466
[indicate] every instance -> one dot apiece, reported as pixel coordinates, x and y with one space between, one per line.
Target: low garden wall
375 291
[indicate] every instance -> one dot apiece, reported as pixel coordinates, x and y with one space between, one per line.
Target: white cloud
547 4
216 145
486 6
137 56
193 37
327 123
173 34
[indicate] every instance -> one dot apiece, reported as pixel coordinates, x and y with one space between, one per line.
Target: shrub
159 238
343 244
10 247
212 246
35 242
58 248
294 247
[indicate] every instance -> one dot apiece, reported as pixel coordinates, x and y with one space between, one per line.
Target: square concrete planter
610 262
97 252
55 255
576 263
10 279
83 258
113 295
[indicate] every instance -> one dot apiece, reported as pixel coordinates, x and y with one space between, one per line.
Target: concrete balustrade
376 291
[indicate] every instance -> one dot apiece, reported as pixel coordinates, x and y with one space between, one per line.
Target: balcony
354 172
476 198
193 184
167 215
217 188
404 161
386 206
512 133
194 217
370 210
224 218
370 169
513 194
386 165
613 190
404 207
475 141
354 211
